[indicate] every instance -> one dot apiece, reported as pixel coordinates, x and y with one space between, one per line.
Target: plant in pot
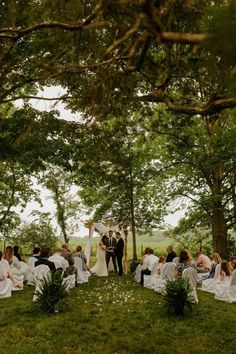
177 295
51 293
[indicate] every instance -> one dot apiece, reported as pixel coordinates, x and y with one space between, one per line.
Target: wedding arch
102 228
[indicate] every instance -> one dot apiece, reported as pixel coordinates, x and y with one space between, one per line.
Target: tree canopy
109 52
170 64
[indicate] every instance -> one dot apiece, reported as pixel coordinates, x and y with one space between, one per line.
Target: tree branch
207 108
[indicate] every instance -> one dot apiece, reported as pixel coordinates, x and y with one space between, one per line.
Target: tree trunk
219 227
132 215
219 231
125 229
60 215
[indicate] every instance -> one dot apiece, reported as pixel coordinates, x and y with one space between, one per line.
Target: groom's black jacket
119 249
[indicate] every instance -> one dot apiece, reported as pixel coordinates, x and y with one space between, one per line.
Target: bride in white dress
100 268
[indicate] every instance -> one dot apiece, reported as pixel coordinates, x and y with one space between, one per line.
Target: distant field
158 242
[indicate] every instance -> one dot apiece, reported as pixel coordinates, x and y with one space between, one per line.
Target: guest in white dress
224 273
185 261
15 265
79 253
100 267
31 263
7 281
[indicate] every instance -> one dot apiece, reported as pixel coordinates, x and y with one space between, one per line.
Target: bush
133 265
177 295
52 293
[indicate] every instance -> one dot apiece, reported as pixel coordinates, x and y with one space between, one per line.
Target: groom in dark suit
119 252
110 246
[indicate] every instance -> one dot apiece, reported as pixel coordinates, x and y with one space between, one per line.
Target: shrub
177 295
133 265
51 293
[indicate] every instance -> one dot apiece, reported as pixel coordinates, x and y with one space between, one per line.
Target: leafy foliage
112 55
177 294
60 184
16 190
52 290
37 233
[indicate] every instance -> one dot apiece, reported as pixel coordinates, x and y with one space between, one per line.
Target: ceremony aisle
115 315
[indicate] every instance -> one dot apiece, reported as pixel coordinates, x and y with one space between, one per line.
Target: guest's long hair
8 253
225 268
217 258
184 256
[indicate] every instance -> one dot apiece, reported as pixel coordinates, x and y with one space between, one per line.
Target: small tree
60 182
37 233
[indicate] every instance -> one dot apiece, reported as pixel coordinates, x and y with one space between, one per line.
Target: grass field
116 315
158 242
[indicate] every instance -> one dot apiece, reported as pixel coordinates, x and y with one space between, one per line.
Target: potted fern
51 292
177 295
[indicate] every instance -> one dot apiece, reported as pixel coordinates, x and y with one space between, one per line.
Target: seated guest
34 258
71 269
161 263
7 281
16 253
203 263
171 254
185 261
224 272
31 263
152 280
59 261
233 262
15 266
150 262
79 253
66 253
141 266
216 259
44 253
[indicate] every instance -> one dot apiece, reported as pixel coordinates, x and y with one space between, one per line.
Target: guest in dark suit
110 246
119 252
171 254
44 253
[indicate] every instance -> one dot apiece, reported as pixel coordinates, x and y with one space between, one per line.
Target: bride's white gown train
100 268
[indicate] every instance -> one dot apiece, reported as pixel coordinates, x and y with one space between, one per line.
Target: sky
48 205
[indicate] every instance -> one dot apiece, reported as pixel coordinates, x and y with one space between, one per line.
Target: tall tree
59 182
16 190
198 160
118 176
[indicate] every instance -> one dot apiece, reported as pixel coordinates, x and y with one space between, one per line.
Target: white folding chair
82 276
6 284
168 273
209 284
190 274
41 272
149 280
227 292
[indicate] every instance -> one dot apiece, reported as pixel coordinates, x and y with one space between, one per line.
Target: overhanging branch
204 109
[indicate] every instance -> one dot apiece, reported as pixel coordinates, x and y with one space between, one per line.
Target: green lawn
116 315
